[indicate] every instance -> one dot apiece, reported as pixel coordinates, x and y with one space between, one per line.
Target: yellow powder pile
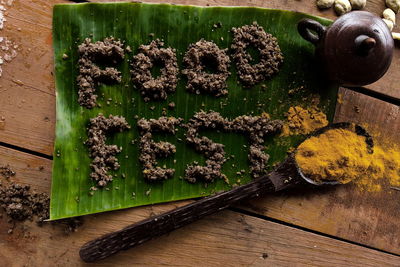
342 155
303 121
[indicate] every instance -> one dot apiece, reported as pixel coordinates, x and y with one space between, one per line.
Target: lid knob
364 44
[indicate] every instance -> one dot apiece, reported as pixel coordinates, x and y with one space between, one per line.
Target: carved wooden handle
145 230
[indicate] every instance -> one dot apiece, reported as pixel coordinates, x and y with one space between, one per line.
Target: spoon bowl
359 130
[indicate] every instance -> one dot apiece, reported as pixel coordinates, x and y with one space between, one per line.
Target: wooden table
335 227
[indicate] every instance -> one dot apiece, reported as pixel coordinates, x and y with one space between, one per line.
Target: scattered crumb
6 171
217 25
147 193
9 51
70 225
171 105
264 255
21 204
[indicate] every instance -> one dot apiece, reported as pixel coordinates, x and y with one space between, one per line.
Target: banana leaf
178 26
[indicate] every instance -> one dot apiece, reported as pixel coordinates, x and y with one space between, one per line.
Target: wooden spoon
286 175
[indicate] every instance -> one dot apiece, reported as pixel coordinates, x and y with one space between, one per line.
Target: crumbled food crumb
21 204
206 68
103 155
155 88
270 58
2 18
148 192
8 51
150 150
217 25
6 171
110 52
171 105
71 225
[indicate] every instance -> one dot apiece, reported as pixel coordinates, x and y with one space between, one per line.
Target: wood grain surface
368 218
225 238
27 105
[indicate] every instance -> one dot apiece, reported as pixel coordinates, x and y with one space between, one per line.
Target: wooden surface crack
292 225
30 22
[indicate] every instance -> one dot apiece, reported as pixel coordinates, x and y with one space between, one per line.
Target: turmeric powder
303 121
342 155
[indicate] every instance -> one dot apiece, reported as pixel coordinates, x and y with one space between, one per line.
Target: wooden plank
365 218
27 100
368 218
31 170
225 238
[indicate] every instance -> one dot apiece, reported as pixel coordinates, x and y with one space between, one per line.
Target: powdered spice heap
108 52
304 120
150 150
149 56
270 55
206 68
103 155
342 155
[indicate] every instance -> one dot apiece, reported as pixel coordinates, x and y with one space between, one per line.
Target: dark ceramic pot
355 50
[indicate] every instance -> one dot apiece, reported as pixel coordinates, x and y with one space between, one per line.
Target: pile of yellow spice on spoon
342 155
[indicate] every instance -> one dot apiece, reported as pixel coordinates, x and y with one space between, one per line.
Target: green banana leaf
179 26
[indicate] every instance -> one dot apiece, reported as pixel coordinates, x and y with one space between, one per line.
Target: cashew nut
342 6
358 4
324 4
